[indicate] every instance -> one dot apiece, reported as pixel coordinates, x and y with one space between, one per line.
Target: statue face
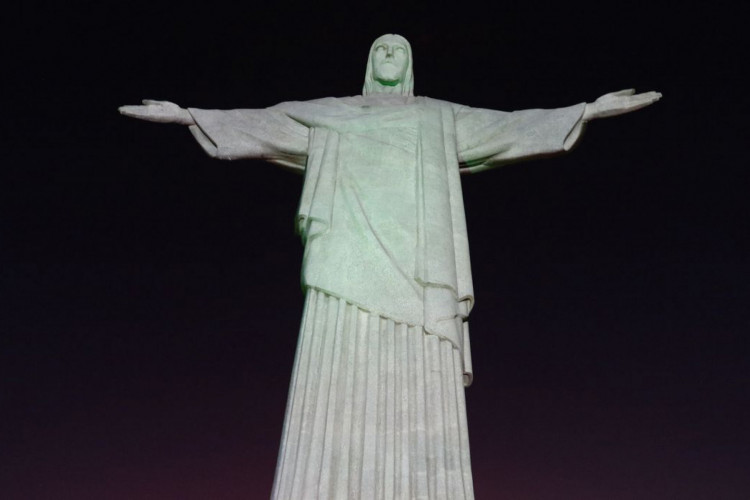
390 58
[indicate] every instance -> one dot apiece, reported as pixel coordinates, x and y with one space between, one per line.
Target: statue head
389 67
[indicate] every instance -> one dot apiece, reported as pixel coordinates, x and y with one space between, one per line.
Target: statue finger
153 102
636 104
653 96
148 113
647 97
623 92
131 110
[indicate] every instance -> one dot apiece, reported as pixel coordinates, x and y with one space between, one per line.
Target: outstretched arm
158 111
268 134
618 103
487 139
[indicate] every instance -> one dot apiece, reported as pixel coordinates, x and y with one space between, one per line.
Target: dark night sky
150 294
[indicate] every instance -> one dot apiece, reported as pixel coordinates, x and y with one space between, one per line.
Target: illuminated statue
376 407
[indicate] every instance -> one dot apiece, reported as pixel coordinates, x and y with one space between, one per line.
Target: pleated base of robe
376 410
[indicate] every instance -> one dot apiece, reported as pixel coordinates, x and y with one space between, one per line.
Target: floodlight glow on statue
376 406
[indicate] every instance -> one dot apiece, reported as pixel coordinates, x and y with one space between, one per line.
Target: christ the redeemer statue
376 405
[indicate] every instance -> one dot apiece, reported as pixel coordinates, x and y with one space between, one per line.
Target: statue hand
158 111
618 103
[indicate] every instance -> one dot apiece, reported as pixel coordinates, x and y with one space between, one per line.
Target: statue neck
379 88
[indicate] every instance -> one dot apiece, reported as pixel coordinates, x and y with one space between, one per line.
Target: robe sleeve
487 139
267 134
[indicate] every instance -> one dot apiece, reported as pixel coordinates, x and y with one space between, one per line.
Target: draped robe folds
375 406
381 212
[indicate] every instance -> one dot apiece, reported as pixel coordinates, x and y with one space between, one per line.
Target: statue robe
381 212
386 266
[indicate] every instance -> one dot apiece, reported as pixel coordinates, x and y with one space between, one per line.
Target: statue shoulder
438 103
334 101
313 106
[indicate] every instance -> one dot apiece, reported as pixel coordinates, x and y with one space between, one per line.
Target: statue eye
401 49
380 47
